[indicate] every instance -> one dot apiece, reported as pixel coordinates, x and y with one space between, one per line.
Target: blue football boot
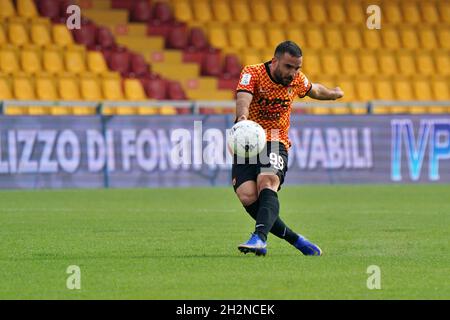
254 244
306 247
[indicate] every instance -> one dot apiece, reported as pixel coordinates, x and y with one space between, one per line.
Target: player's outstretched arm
243 100
320 92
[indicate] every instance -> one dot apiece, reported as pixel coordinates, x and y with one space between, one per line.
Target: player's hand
338 93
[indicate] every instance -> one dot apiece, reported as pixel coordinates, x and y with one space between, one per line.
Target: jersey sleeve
247 80
304 86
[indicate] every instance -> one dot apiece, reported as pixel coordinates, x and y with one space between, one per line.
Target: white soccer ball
246 139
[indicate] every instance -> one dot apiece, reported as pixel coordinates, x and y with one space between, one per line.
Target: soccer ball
246 139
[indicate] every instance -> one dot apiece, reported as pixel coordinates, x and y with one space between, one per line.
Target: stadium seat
237 36
75 59
174 92
53 60
336 12
17 32
372 38
221 10
134 90
311 64
349 62
23 87
182 11
9 62
49 9
61 35
275 35
197 39
217 35
355 12
232 66
156 88
422 89
86 35
112 87
368 63
178 38
40 33
280 11
347 85
442 62
406 63
257 36
364 89
5 88
440 88
443 35
3 38
138 66
333 37
330 61
26 8
68 87
202 11
46 87
410 12
96 62
317 11
383 89
403 91
90 87
140 11
212 64
7 9
392 12
104 38
425 63
429 11
260 12
30 58
314 37
390 37
427 38
409 38
119 61
250 56
387 61
241 11
353 37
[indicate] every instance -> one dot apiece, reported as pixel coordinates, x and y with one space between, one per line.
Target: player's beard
283 80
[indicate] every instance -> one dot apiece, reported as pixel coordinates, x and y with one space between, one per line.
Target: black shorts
274 158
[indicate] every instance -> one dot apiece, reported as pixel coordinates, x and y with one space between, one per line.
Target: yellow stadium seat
260 12
75 59
317 11
406 64
348 86
40 33
112 88
384 89
257 36
30 57
311 64
148 110
409 38
61 35
299 12
267 54
7 9
353 37
60 110
403 89
356 12
429 12
314 37
427 38
390 36
392 12
388 63
23 87
134 90
443 34
295 33
46 87
124 110
349 62
217 35
364 89
275 35
237 36
368 63
279 11
410 12
83 110
5 88
333 37
372 38
90 87
440 88
221 10
17 32
9 62
422 89
241 11
336 11
183 11
3 39
425 63
444 10
330 62
26 8
96 62
202 10
167 110
68 87
442 62
53 60
250 56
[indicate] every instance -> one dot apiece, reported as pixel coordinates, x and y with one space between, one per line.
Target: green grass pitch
182 244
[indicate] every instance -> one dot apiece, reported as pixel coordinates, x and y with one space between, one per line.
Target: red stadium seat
139 68
197 39
232 66
192 55
121 4
156 88
85 35
178 37
120 61
49 9
141 11
228 82
158 28
105 38
212 65
162 12
175 91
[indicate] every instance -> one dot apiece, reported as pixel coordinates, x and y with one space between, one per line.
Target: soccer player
265 94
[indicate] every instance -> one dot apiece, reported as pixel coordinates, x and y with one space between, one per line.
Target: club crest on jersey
290 91
246 79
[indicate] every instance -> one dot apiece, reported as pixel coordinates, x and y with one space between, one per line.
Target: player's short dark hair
290 47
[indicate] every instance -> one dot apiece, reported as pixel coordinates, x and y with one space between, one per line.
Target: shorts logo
246 79
234 182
